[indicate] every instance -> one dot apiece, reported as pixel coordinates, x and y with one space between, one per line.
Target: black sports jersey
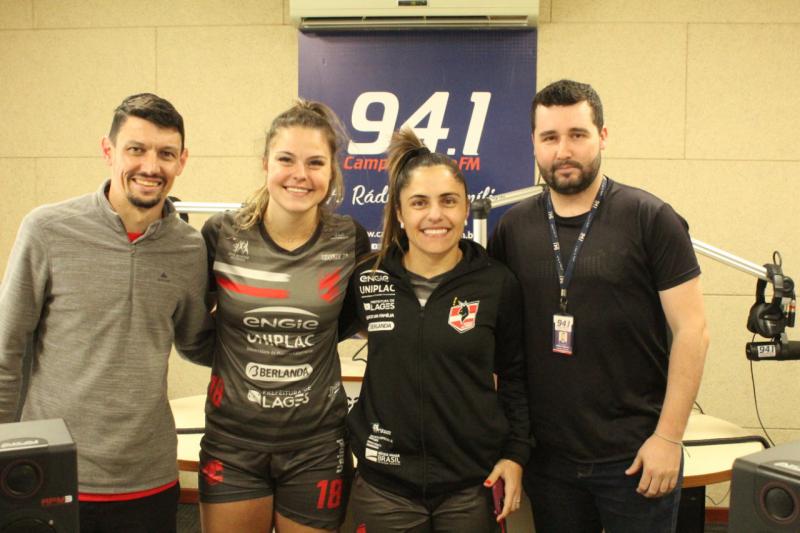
276 376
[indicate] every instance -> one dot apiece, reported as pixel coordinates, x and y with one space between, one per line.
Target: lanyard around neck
565 275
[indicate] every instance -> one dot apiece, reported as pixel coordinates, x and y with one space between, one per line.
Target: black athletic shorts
310 486
380 511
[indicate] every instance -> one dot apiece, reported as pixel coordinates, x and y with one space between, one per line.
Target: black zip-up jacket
429 420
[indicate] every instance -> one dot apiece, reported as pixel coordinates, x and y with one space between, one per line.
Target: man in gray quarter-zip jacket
104 283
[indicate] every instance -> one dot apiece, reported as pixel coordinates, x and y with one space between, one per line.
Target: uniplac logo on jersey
368 290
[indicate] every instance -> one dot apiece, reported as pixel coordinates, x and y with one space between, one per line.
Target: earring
402 226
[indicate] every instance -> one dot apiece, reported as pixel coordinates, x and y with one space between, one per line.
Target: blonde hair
405 154
303 114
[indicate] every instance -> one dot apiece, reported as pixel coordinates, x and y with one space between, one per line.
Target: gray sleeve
22 297
194 327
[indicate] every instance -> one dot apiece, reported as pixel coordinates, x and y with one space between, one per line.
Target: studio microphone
773 351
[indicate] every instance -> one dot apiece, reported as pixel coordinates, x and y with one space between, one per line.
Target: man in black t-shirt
606 270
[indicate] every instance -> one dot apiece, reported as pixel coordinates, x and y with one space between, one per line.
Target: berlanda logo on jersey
462 315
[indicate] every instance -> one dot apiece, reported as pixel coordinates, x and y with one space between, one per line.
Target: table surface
708 464
703 465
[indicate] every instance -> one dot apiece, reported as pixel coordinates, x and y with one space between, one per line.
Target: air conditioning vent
389 14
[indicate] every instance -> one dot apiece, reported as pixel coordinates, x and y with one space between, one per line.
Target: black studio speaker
765 491
38 478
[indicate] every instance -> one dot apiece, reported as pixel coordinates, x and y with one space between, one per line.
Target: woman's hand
511 473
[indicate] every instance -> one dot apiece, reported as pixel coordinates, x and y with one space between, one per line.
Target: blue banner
466 94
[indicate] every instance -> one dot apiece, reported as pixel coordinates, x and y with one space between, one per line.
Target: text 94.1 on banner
433 109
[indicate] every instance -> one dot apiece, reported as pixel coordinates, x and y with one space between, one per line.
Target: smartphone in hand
498 497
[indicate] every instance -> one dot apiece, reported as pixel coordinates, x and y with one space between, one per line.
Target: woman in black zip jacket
431 432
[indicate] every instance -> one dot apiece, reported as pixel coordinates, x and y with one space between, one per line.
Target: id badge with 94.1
562 333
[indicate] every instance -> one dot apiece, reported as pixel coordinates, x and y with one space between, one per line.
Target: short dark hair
149 107
568 92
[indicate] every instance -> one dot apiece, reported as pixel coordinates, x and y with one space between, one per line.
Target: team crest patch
462 315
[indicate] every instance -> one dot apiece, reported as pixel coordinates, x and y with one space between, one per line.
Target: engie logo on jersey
462 315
